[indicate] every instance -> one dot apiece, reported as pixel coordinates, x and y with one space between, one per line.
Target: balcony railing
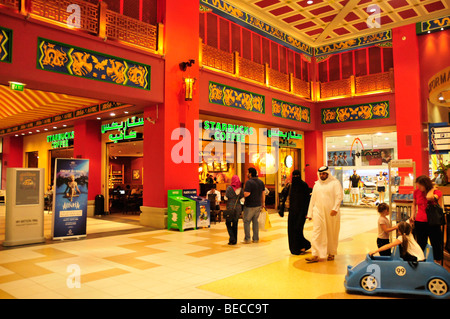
233 64
95 19
357 86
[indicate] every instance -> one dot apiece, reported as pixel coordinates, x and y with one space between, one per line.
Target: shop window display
368 156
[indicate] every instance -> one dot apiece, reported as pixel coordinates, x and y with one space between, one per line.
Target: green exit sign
16 86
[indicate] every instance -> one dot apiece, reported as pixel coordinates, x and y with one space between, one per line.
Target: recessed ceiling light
310 2
379 134
30 132
113 114
45 129
16 135
99 118
55 127
126 112
441 98
64 125
38 131
23 133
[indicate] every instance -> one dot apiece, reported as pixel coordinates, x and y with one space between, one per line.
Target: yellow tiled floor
186 265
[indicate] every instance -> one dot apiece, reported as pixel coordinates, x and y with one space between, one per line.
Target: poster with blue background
70 198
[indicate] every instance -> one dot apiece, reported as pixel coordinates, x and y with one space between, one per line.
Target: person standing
296 197
426 194
233 196
255 197
354 187
323 209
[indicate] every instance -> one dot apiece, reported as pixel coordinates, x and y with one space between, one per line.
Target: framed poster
27 187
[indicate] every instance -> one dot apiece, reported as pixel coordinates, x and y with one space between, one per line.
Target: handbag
435 214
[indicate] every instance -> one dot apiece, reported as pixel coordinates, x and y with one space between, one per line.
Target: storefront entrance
125 176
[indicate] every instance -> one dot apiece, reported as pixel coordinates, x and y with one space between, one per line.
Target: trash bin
203 208
181 211
99 208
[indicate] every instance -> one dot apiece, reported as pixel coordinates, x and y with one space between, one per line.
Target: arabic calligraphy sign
290 111
5 45
70 60
229 96
369 111
122 128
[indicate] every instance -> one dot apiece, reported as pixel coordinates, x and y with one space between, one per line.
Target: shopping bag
263 220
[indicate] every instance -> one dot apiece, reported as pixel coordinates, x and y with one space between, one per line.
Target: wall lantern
188 88
188 81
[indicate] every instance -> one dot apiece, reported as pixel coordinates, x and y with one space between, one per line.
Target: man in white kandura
323 209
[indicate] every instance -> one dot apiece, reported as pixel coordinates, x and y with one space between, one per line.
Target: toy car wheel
369 283
437 287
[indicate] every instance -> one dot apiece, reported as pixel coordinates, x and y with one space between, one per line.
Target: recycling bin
181 211
202 208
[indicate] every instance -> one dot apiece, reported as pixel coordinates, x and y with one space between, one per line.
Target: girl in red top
426 193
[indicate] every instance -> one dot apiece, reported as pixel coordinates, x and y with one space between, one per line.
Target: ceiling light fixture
310 2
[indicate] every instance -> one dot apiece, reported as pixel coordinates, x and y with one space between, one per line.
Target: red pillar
313 156
161 172
87 144
412 139
12 154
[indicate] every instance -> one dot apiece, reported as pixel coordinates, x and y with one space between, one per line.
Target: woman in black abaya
296 197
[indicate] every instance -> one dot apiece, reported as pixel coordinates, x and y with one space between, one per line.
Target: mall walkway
187 265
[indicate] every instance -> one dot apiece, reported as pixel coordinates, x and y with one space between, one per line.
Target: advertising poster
341 158
27 187
71 196
377 156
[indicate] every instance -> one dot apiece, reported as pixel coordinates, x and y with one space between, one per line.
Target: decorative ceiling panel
17 108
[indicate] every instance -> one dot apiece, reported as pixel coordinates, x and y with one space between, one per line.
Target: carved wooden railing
360 85
94 19
233 64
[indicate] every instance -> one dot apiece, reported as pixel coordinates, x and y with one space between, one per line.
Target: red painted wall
412 140
88 145
23 67
12 155
161 173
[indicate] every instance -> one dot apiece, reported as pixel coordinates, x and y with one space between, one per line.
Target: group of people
322 206
415 233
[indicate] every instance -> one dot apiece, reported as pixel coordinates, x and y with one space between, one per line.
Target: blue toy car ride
391 274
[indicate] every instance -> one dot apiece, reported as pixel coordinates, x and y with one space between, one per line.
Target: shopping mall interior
124 123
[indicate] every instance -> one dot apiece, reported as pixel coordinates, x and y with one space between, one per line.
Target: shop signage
122 127
361 112
290 111
438 84
439 138
70 60
70 198
61 140
228 132
5 45
229 96
284 135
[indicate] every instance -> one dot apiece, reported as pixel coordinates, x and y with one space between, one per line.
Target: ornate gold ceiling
326 21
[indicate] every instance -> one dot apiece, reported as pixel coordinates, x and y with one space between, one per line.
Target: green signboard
71 60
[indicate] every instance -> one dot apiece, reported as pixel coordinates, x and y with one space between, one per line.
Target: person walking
296 197
324 211
233 196
426 194
255 197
